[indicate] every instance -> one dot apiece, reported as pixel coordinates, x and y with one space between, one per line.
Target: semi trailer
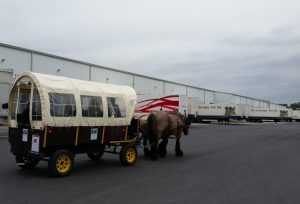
296 115
169 103
198 111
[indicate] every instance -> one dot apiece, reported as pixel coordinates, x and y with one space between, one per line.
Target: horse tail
151 121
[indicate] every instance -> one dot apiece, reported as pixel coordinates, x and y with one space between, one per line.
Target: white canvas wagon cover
46 84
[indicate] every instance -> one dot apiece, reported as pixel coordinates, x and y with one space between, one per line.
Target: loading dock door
4 92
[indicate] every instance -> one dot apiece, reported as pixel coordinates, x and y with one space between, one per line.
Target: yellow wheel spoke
130 155
63 163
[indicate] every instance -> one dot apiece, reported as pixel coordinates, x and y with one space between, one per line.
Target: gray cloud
250 48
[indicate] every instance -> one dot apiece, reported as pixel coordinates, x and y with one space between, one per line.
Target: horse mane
179 115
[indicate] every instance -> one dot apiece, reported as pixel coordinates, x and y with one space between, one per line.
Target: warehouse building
15 60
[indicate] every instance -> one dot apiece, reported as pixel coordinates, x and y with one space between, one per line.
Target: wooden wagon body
53 118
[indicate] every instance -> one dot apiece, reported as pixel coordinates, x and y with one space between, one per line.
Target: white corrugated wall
224 98
243 100
171 88
14 59
54 66
194 92
112 77
209 97
146 86
21 59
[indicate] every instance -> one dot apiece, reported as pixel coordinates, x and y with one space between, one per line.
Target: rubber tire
30 162
52 163
96 156
123 153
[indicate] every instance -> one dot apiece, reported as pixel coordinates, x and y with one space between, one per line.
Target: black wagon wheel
26 162
128 155
61 163
96 156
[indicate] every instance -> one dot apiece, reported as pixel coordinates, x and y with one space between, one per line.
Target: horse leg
154 151
153 147
145 144
163 147
152 136
178 150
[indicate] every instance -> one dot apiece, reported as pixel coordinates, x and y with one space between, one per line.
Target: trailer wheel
128 155
61 163
96 156
26 162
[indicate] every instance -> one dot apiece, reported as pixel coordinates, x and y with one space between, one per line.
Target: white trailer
150 103
198 112
241 111
220 112
193 106
286 114
296 115
263 114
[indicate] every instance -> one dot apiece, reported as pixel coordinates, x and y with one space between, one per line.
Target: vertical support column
103 134
76 136
126 133
31 61
90 72
45 137
133 82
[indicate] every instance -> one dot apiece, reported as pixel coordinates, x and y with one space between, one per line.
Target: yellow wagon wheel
128 155
61 163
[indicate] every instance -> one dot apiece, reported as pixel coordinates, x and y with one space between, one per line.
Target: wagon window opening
36 105
91 106
14 103
24 97
116 107
62 105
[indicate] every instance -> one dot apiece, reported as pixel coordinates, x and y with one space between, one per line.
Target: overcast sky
245 47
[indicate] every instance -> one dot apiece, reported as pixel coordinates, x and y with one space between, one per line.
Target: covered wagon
53 118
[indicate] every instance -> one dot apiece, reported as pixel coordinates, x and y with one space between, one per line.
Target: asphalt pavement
256 163
3 132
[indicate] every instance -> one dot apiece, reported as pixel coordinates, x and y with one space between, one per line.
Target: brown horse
160 125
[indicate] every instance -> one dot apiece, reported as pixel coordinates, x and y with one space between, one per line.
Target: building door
4 92
5 80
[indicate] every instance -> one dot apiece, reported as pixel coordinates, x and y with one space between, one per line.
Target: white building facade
15 60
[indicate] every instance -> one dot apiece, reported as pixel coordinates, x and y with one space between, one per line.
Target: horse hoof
162 152
179 153
163 155
147 153
154 157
